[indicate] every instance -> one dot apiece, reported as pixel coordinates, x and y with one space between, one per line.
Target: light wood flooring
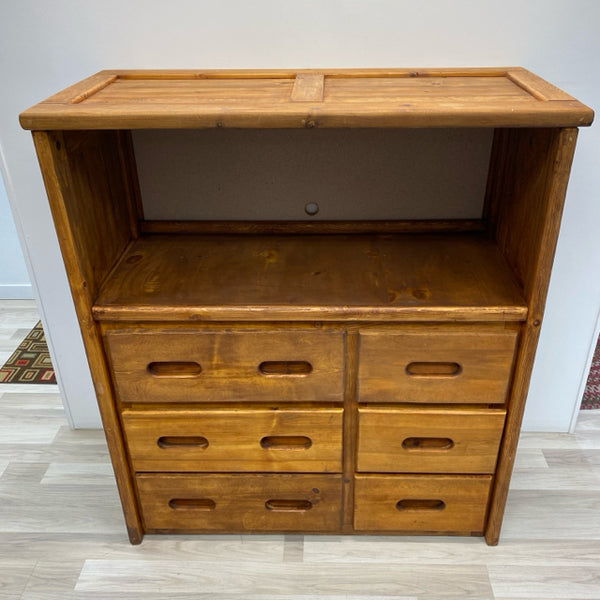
62 534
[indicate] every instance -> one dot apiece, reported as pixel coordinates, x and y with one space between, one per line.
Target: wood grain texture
230 365
528 180
483 357
86 177
308 87
241 502
260 581
525 197
313 227
550 536
235 440
85 271
464 501
264 298
419 277
350 429
470 440
351 98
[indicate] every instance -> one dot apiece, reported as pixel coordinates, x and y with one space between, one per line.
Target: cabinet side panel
528 181
80 269
96 196
526 189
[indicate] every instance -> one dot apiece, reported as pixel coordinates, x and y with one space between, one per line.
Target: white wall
45 46
14 281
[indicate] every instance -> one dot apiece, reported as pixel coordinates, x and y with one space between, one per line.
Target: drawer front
427 364
426 503
226 366
405 440
240 503
235 440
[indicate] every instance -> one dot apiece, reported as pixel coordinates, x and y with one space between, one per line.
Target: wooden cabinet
349 348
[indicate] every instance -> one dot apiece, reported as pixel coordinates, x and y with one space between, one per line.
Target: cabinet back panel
362 174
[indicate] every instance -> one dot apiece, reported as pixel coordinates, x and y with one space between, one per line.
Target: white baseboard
16 291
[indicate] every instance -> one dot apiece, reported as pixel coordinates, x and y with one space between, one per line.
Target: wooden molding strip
315 227
536 86
308 87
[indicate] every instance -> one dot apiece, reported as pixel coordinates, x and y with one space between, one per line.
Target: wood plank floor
62 535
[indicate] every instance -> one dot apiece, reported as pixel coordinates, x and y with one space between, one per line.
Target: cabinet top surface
480 97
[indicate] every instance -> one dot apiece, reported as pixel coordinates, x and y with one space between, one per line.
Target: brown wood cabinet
310 374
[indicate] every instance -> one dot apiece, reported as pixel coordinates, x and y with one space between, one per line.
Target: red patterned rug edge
591 396
30 362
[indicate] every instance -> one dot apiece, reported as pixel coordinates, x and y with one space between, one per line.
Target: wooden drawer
436 364
240 503
414 440
235 440
153 365
426 503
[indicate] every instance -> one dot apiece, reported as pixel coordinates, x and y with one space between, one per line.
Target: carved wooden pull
427 443
420 504
433 369
174 369
284 505
286 442
192 504
174 441
285 367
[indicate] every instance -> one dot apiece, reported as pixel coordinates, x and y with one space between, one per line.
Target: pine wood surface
240 502
230 363
528 199
463 364
419 277
89 242
346 293
409 440
549 547
314 227
434 503
256 439
345 98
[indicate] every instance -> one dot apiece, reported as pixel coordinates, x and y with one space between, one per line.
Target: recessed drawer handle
174 369
192 504
174 441
286 442
288 505
427 443
420 504
433 369
285 367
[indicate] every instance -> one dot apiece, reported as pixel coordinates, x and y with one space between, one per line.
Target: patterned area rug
30 362
591 396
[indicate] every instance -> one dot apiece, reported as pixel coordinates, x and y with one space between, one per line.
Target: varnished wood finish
87 260
62 531
230 365
301 440
94 198
349 98
433 503
308 87
461 277
381 358
482 359
313 227
413 440
242 503
350 429
526 191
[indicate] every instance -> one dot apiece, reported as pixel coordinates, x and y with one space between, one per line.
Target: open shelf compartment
419 277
